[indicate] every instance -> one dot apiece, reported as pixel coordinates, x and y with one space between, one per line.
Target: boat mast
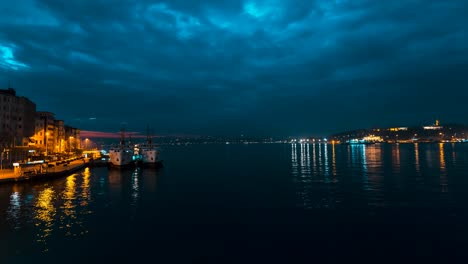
148 137
122 137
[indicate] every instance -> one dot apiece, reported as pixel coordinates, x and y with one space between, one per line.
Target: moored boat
121 155
149 152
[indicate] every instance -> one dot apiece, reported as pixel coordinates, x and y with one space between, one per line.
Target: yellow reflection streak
416 155
69 196
396 157
454 156
85 192
374 158
45 214
443 176
442 157
374 162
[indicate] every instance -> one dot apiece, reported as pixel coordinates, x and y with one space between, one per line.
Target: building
16 119
53 136
44 136
27 134
16 125
38 140
59 136
72 136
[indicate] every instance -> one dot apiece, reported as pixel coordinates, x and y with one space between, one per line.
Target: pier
43 171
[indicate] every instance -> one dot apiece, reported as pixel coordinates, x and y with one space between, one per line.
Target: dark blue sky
252 67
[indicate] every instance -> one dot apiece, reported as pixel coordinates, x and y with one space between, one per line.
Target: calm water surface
246 203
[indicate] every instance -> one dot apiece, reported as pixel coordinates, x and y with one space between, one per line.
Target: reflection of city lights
325 153
45 214
14 208
442 156
45 210
69 197
15 199
333 160
396 157
443 175
135 186
416 153
86 186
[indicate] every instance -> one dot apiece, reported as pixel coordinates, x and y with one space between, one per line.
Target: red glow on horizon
100 134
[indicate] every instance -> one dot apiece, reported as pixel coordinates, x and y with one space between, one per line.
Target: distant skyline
265 67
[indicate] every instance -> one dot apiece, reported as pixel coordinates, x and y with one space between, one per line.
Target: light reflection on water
416 156
86 188
63 207
14 209
99 203
135 174
333 162
375 175
45 212
443 174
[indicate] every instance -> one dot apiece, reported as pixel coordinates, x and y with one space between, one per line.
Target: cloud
7 59
257 66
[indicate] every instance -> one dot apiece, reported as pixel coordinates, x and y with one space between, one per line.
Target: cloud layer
265 67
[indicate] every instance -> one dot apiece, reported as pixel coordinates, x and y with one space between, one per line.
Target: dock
53 170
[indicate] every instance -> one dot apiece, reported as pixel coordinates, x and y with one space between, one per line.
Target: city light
432 127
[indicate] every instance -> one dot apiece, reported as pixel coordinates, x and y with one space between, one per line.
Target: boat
149 153
121 155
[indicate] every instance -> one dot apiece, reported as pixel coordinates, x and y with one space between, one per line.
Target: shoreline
55 172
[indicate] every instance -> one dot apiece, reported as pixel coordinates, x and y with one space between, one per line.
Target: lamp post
46 143
70 140
86 144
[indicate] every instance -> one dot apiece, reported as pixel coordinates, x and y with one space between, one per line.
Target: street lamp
46 143
1 160
70 139
86 144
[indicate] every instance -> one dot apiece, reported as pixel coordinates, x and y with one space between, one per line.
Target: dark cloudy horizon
253 67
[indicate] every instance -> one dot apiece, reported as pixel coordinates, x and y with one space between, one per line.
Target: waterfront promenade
36 172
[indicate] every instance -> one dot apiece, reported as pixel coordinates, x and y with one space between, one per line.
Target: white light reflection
14 209
294 163
135 186
325 154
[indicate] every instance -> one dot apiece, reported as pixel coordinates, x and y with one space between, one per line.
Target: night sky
217 67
